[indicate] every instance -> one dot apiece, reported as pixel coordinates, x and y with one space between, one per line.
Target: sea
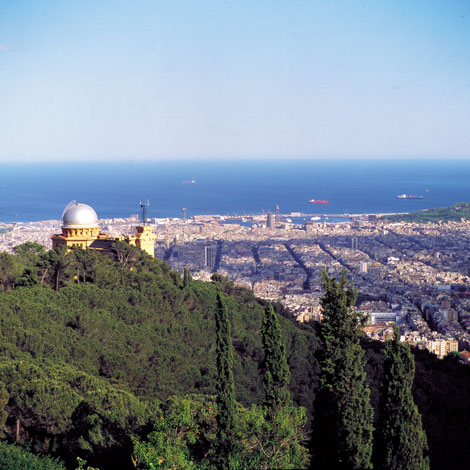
40 191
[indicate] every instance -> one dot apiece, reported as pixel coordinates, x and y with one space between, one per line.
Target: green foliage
401 442
183 435
454 213
29 251
225 386
60 263
276 375
10 270
130 330
189 434
4 398
38 396
82 367
14 457
187 279
273 434
103 422
271 442
28 256
59 408
342 436
128 255
82 465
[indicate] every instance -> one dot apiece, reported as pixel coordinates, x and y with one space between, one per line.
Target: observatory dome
79 215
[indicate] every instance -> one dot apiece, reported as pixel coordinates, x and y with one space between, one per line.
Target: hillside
454 213
91 349
129 334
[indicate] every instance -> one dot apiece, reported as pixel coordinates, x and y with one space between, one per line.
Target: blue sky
159 80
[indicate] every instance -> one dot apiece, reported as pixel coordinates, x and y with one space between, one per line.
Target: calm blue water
41 191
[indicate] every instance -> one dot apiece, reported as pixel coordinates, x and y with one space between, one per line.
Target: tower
144 238
270 221
183 210
144 212
277 214
354 243
210 253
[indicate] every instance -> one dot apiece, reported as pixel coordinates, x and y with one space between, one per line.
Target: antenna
67 207
143 206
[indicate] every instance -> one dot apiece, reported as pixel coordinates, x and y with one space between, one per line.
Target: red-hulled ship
318 201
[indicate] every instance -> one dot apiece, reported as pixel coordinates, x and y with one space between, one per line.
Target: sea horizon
40 191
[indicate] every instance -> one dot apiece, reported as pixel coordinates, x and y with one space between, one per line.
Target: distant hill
455 213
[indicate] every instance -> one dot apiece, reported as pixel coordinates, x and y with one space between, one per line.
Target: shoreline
198 217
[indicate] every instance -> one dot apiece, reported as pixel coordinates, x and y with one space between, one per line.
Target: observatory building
80 228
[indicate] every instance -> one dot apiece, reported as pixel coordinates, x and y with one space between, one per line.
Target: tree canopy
343 422
95 350
401 441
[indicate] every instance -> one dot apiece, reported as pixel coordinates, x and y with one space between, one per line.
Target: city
414 274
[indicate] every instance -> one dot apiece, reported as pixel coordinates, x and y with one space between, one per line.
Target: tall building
210 253
354 243
270 221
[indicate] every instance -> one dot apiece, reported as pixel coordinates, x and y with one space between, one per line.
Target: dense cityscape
409 273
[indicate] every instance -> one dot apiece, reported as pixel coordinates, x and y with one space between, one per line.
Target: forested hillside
89 346
92 350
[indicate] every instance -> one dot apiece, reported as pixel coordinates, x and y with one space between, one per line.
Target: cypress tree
276 371
401 440
187 278
226 404
343 416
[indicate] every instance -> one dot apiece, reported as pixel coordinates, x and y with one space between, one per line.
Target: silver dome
79 215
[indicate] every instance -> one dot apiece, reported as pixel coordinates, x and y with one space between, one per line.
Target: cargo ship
409 196
318 201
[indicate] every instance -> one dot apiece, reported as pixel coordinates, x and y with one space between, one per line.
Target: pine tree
226 404
343 416
401 440
276 371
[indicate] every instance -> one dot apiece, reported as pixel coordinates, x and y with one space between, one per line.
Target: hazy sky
160 79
